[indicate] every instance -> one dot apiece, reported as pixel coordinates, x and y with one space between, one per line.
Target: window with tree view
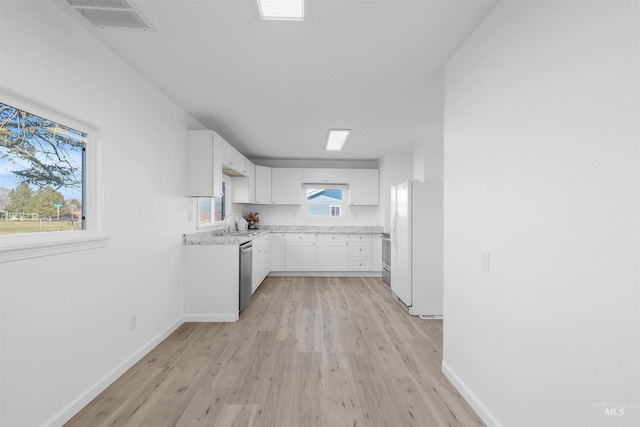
41 174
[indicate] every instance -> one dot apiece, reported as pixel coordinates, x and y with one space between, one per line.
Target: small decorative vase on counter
252 219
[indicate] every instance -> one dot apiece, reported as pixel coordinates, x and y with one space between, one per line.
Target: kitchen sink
244 233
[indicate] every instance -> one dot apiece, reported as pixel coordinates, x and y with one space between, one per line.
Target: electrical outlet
485 261
190 214
132 321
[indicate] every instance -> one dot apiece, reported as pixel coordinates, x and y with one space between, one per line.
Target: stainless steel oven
386 258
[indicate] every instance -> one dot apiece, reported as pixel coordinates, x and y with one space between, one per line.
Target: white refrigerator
417 247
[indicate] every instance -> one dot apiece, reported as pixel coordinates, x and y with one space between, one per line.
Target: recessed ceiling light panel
336 139
282 10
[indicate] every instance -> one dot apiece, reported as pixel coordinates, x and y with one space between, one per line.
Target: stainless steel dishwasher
245 274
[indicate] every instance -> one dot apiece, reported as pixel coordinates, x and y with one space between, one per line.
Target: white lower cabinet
212 283
337 252
333 252
277 251
300 252
359 252
261 261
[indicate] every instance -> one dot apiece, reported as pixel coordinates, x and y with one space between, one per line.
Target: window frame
343 205
226 205
15 247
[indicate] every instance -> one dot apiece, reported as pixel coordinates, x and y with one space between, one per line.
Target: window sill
34 246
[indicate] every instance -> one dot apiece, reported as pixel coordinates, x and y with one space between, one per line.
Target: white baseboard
66 413
483 412
210 317
431 316
325 273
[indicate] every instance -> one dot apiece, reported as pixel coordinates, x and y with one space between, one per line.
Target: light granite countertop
216 236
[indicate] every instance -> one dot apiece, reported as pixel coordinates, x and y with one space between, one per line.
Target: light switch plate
132 321
485 261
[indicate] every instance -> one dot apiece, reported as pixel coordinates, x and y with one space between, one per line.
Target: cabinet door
277 251
359 264
260 256
263 185
313 175
286 186
243 165
360 252
363 187
204 164
229 155
333 252
336 176
360 249
244 187
266 257
300 252
251 171
256 256
325 176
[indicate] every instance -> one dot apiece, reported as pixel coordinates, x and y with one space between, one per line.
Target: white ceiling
273 89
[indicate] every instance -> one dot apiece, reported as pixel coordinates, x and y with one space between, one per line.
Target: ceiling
273 89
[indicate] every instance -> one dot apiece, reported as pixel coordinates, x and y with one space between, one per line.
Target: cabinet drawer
360 264
364 238
300 237
359 249
333 237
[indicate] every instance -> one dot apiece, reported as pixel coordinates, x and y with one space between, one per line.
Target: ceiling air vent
111 14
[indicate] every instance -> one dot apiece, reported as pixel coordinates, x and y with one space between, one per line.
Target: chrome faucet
228 228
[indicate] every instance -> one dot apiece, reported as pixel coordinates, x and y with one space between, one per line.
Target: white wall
65 318
428 161
542 171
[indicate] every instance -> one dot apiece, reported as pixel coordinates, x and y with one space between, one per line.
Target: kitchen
538 323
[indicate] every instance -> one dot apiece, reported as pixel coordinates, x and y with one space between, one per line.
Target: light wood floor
320 352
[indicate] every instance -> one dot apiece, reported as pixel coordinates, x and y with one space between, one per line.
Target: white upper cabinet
244 187
363 187
229 156
233 162
243 164
286 186
336 176
325 176
204 163
263 185
314 175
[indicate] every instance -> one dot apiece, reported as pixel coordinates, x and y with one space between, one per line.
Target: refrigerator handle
393 230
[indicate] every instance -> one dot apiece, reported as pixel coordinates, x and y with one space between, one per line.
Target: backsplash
294 215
